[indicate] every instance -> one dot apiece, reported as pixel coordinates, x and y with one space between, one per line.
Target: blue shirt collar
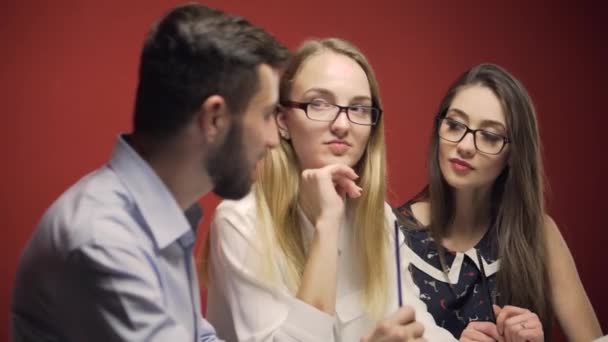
163 216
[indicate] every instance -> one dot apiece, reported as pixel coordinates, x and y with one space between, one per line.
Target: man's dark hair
194 52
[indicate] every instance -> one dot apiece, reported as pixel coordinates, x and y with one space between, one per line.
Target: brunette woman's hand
480 332
517 324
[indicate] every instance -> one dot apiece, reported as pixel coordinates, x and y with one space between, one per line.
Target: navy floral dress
460 293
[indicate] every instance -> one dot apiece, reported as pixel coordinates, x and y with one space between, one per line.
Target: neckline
419 227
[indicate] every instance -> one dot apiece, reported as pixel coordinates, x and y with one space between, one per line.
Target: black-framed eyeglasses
324 111
485 141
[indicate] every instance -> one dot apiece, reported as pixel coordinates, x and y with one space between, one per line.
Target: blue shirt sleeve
207 332
125 298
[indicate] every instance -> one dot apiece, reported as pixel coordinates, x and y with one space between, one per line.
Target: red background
68 74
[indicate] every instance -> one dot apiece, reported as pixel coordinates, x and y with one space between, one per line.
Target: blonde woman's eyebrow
361 98
329 94
319 91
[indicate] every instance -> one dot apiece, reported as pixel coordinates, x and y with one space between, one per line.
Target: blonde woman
306 256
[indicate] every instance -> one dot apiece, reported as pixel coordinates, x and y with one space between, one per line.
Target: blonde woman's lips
338 147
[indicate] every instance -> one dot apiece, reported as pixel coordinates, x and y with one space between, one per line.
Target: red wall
68 74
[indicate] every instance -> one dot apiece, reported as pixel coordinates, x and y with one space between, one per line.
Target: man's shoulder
97 207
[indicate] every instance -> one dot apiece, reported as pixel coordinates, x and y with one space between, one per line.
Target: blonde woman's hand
518 324
480 332
399 327
322 191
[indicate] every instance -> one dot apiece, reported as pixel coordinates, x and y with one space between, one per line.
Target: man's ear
283 130
214 119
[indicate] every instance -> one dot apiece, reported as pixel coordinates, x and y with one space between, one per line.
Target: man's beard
228 166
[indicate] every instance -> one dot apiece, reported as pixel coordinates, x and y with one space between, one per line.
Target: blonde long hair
277 186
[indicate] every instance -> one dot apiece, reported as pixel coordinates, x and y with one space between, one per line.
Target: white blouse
242 307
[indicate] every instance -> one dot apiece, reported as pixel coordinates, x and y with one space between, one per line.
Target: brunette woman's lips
460 165
338 147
